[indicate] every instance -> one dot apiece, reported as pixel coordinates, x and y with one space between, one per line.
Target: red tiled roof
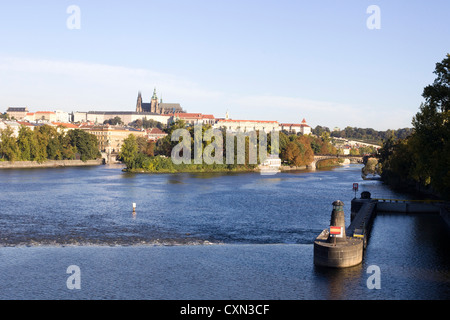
189 115
66 125
155 131
193 116
259 121
24 123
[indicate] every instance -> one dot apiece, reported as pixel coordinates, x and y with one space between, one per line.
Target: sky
281 60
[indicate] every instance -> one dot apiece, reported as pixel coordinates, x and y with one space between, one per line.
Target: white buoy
134 207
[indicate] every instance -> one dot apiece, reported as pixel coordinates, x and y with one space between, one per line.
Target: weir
348 251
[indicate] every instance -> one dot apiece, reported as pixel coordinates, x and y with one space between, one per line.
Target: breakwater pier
341 247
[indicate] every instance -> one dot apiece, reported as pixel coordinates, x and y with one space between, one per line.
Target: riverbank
219 170
49 164
190 169
169 167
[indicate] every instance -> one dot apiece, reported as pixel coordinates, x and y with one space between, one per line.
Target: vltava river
203 236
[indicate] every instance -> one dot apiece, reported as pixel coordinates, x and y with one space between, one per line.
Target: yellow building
17 113
48 116
110 138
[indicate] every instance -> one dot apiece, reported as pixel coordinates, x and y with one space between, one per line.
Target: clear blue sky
263 60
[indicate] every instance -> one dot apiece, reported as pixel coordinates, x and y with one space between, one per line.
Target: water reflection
335 284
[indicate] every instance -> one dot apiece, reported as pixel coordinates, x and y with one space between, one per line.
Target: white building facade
247 125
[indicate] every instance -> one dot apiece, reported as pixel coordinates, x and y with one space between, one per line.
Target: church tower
139 103
154 103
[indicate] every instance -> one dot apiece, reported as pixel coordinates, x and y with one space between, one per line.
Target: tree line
294 150
139 123
47 143
422 160
367 135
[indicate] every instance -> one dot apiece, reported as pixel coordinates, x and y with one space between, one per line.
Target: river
204 236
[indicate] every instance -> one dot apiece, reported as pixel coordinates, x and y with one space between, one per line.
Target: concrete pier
363 212
333 248
347 248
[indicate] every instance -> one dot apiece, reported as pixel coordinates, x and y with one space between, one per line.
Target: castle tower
139 103
154 103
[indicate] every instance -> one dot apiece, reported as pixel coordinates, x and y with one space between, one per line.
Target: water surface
203 236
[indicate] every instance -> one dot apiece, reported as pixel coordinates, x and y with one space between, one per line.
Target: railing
336 156
404 201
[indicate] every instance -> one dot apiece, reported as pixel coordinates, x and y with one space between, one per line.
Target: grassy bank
160 164
190 169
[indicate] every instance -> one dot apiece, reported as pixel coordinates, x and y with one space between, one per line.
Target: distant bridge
354 159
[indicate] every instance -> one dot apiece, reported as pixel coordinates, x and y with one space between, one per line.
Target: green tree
86 144
9 149
432 129
116 121
28 144
424 157
164 146
147 123
69 150
43 136
145 146
318 130
129 152
325 137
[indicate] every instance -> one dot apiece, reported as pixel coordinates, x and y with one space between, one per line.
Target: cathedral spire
154 103
155 97
139 103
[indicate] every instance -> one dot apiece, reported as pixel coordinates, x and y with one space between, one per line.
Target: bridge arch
317 158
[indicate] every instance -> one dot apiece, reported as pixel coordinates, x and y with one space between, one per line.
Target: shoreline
49 164
255 170
4 165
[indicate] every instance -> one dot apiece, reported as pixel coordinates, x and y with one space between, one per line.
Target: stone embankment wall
292 168
48 164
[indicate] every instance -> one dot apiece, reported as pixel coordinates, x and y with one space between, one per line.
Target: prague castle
156 106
